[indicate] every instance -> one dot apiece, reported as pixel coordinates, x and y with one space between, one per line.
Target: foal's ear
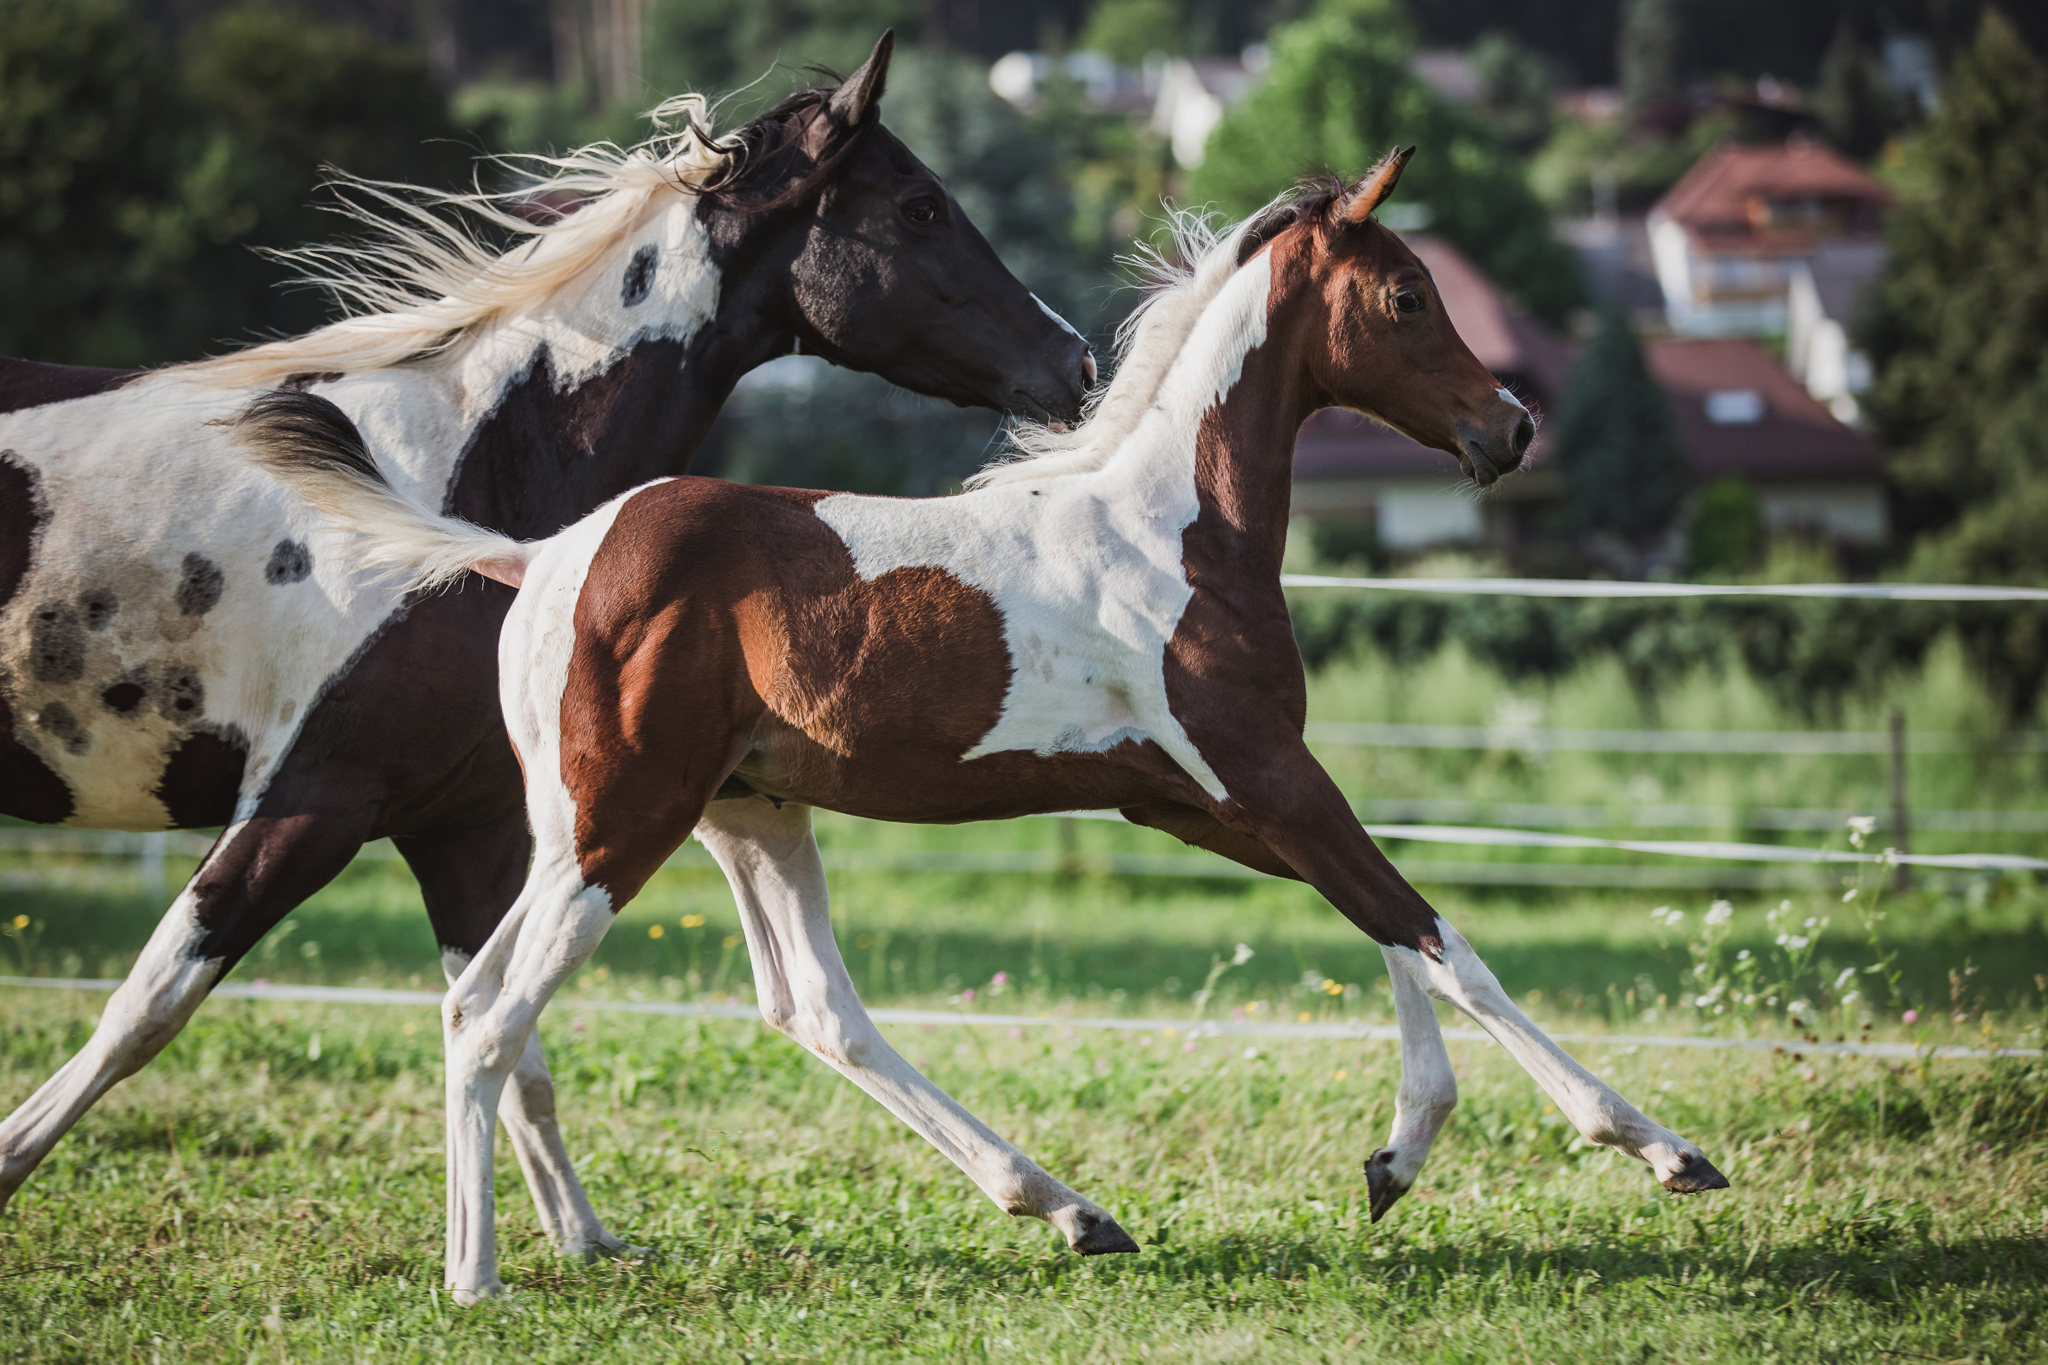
1372 190
861 91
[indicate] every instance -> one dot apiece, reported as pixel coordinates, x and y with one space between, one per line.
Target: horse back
33 384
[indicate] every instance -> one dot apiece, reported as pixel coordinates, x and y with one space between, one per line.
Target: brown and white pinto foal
1098 625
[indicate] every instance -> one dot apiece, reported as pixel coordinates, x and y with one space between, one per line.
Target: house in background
1825 302
1730 237
1738 413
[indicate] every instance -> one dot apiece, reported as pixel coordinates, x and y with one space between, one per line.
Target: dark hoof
1695 1176
1380 1189
1102 1238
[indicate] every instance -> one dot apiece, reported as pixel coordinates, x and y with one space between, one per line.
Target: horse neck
1216 452
543 417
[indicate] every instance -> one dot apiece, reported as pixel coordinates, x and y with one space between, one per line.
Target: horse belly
171 617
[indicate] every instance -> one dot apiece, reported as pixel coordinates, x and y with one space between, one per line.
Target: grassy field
271 1188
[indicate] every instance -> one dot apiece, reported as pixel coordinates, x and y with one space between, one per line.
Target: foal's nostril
1525 432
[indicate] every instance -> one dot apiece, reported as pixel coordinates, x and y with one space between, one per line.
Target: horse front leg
1289 804
1429 1087
249 880
771 859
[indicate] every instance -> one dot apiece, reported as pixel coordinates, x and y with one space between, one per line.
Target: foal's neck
1244 460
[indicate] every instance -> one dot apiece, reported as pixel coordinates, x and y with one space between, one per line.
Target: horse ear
1372 190
863 89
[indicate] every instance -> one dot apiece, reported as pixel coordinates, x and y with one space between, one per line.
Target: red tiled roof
1796 437
1717 192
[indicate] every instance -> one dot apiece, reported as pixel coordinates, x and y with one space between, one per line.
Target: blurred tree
1131 30
1858 109
89 161
1337 96
1624 473
1727 530
1960 336
135 181
1646 56
1514 83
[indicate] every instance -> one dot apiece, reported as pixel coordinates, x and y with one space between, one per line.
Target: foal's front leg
771 859
1289 804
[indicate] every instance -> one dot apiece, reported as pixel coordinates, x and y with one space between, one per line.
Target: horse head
1382 343
884 272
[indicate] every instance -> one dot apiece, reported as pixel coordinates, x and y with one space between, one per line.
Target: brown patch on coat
723 632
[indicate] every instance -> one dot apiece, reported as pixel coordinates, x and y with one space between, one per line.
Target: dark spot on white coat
290 562
199 586
56 721
639 281
56 644
125 695
182 697
203 776
99 607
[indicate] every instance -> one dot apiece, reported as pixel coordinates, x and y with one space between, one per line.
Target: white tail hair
425 277
311 447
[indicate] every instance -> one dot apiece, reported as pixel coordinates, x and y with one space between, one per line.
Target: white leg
772 862
487 1021
1428 1093
1589 1103
166 985
527 1109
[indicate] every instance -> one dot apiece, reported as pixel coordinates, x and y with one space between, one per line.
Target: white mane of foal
424 282
1147 343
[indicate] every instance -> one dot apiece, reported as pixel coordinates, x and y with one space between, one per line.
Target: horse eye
921 210
1408 301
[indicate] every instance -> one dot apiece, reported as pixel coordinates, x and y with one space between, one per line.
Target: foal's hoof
1695 1175
1101 1236
1380 1188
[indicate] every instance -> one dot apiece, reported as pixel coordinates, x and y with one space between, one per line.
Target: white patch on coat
135 480
1085 569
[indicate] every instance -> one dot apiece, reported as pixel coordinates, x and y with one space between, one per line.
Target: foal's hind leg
1428 1093
256 873
469 877
487 1022
772 861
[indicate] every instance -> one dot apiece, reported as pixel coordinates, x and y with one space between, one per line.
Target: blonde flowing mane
1147 344
424 279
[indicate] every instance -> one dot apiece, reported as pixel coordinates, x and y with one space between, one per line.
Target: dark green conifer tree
1624 471
1960 337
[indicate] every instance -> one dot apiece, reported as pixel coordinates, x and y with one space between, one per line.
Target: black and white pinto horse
184 644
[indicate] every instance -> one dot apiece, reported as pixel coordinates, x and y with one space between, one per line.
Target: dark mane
772 171
1310 203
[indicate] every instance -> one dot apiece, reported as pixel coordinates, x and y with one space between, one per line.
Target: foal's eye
1408 301
921 210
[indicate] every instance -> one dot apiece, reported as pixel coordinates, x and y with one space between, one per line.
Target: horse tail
311 447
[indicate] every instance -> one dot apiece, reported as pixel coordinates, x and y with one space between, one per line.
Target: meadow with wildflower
265 1189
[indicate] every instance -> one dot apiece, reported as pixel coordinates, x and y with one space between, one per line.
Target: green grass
270 1189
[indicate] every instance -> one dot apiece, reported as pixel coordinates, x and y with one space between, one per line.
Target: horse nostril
1088 370
1525 432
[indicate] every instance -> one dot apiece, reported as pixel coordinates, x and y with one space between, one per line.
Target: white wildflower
1242 956
1843 979
1849 895
1720 912
1742 956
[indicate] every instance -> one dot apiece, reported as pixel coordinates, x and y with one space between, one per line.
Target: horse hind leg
771 859
468 877
257 872
487 1026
